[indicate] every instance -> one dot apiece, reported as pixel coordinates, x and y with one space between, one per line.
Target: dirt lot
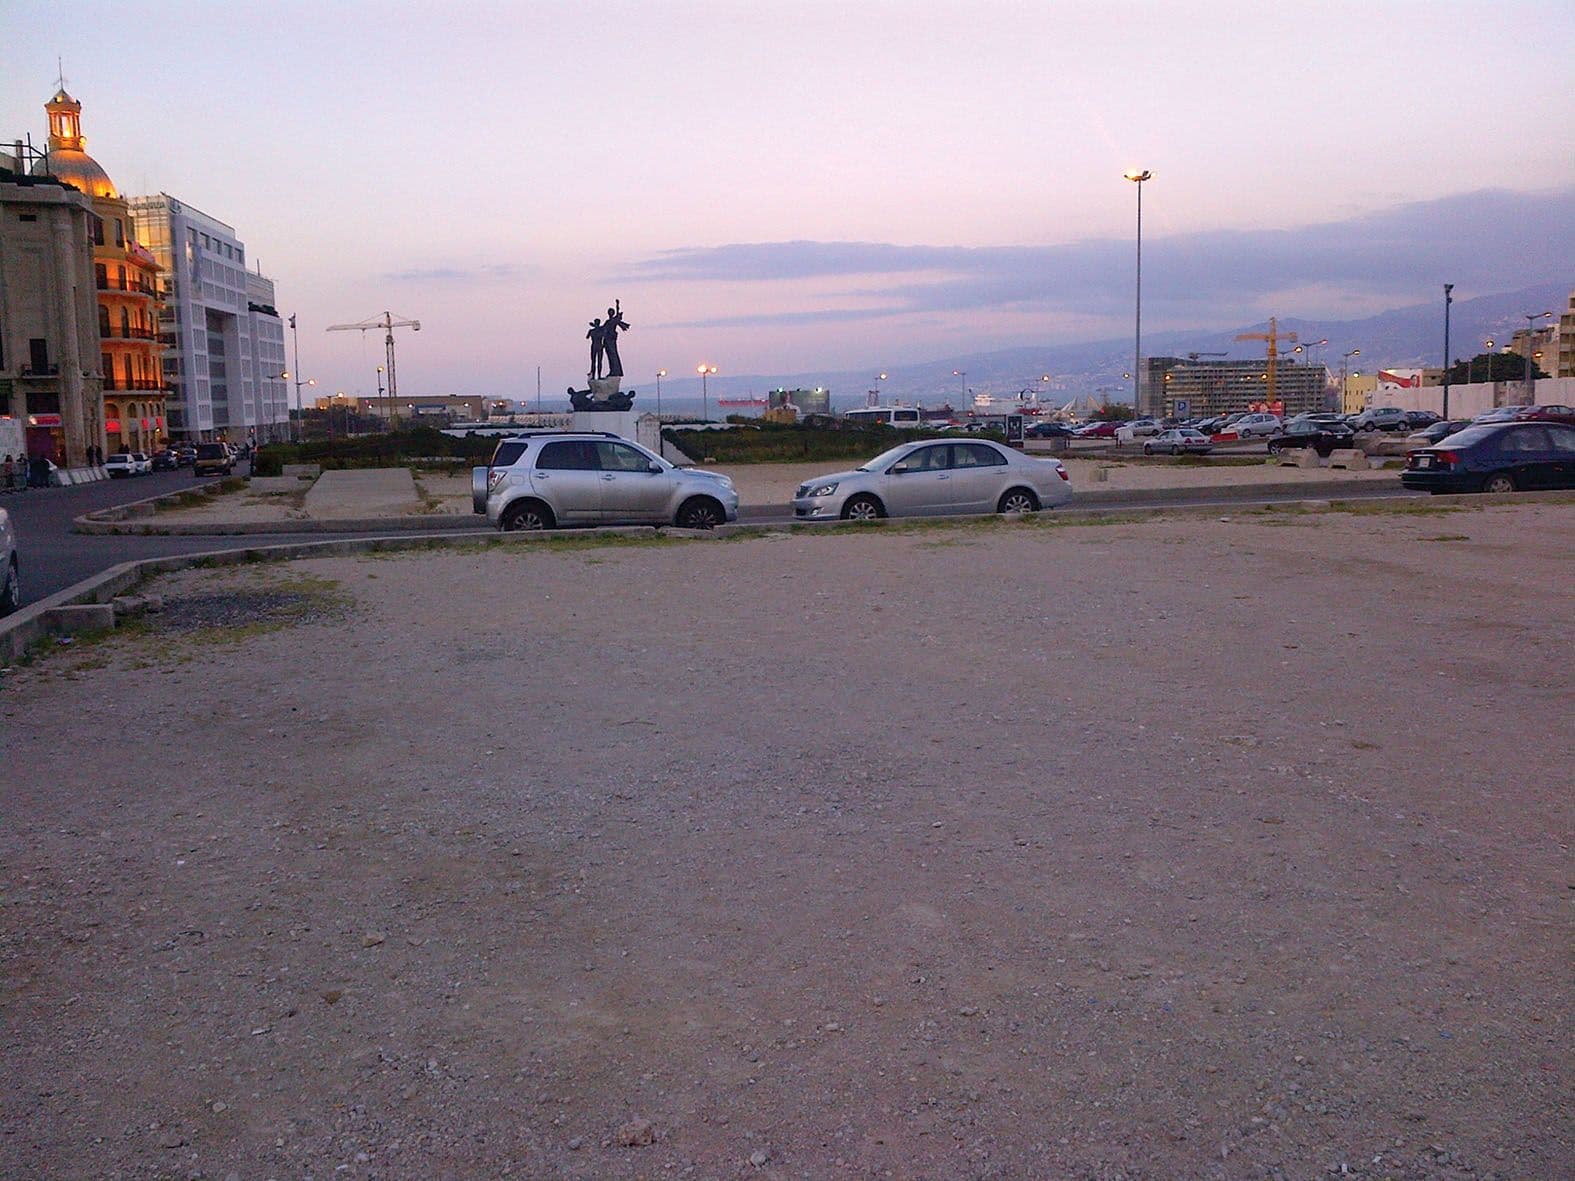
1199 849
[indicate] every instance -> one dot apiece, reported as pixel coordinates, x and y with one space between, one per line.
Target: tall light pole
1531 399
1487 346
660 373
1306 347
1448 299
705 371
295 337
1138 177
380 383
1345 377
964 376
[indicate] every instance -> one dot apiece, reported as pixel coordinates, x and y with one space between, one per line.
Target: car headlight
821 489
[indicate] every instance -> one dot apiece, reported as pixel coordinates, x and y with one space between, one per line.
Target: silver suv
548 479
1382 418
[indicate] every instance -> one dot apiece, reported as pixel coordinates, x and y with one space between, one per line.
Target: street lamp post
1448 299
1531 399
660 373
295 338
1138 177
1307 348
1487 346
1345 377
705 371
958 373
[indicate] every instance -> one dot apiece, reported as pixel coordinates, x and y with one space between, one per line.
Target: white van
901 417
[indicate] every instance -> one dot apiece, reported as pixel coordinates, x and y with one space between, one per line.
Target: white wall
1467 401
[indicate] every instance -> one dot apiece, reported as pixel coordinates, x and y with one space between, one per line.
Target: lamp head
1134 174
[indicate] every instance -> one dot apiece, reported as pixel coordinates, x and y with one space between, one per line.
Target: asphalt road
53 557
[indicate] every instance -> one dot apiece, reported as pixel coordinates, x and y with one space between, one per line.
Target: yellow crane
387 323
1273 336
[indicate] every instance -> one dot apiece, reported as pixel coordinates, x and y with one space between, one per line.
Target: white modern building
224 343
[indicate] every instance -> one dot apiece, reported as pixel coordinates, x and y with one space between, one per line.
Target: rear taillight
1448 457
1061 471
494 477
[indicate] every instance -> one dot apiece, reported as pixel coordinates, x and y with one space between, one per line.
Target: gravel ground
1204 849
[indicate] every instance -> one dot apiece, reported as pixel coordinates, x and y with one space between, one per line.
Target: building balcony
38 373
127 334
136 384
129 286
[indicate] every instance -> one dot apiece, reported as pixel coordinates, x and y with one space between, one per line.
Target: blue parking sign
1183 408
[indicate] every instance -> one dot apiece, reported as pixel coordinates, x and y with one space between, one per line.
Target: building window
103 320
120 233
38 354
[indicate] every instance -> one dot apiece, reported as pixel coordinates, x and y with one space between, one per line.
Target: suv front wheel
699 512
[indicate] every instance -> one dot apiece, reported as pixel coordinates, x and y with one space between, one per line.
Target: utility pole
1448 299
387 323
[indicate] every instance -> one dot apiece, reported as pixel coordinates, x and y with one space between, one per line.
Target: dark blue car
1496 457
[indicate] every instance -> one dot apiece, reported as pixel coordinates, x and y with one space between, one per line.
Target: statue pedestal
635 425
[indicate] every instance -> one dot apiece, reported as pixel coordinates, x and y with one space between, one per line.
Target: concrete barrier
1304 457
80 617
1350 458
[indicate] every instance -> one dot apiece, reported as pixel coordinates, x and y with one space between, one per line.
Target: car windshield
885 459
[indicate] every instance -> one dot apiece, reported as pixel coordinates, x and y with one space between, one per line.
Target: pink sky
522 165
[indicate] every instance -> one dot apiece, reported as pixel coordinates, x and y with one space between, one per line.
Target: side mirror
900 469
654 468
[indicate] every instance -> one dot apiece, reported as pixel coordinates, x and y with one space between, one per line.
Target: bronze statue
615 321
597 337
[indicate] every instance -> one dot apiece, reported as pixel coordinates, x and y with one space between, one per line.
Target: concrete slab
369 492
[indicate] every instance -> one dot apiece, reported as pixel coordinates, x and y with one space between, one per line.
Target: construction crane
387 323
1273 336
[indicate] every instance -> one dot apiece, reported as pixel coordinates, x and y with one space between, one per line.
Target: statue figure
597 337
615 321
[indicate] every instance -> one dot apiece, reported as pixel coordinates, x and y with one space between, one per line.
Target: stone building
126 278
50 378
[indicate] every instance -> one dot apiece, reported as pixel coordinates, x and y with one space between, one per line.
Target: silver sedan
932 477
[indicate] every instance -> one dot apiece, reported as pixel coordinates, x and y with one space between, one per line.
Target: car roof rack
540 433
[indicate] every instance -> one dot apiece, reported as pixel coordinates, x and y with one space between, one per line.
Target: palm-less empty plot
1192 848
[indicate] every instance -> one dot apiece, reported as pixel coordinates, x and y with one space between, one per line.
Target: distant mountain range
1400 338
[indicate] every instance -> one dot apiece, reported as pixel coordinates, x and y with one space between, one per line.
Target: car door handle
607 475
944 476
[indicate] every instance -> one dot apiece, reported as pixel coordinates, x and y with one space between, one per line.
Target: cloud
491 273
1490 240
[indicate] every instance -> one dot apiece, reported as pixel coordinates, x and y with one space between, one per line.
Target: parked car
10 567
548 479
213 459
1496 457
1143 427
1255 425
1416 420
185 456
1547 414
1322 437
935 477
165 461
124 464
1499 414
1098 430
1048 430
1211 424
1177 441
1436 433
1381 418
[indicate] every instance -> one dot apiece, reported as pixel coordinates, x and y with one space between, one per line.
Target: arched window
125 323
103 320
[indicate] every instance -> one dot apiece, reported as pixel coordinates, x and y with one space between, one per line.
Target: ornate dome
79 169
66 159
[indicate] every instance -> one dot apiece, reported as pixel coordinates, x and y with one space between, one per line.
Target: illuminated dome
66 160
